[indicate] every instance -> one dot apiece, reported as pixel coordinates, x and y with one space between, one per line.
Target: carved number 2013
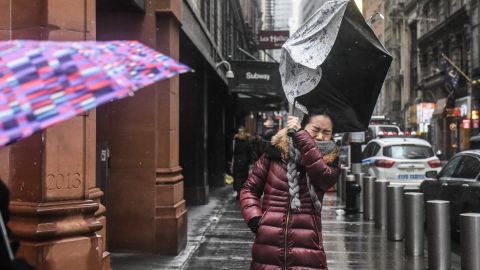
63 181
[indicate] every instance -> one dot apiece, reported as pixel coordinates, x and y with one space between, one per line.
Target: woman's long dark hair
316 112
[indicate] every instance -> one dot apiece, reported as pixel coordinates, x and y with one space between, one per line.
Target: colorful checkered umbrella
43 82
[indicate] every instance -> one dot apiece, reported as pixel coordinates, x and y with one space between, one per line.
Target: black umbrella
335 61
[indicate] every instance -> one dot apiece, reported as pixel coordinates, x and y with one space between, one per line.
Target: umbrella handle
291 131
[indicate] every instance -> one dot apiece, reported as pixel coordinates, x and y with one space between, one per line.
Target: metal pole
352 190
356 157
470 240
359 181
343 172
414 219
395 221
438 235
381 204
368 197
344 181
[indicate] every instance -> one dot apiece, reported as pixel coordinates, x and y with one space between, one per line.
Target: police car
401 160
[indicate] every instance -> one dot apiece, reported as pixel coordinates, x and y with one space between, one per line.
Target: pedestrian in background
270 130
242 158
292 177
257 144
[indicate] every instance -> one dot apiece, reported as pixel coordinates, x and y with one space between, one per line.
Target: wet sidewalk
219 239
350 243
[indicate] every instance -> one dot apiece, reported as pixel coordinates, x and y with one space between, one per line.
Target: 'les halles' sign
272 39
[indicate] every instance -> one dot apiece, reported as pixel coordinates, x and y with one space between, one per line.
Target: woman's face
320 128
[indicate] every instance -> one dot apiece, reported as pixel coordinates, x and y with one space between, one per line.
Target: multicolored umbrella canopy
43 82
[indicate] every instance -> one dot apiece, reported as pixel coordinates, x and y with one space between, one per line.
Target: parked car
401 160
475 142
458 182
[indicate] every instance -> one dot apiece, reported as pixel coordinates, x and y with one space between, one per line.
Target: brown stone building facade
55 209
450 28
119 178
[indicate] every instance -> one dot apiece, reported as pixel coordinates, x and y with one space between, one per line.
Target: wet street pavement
219 239
350 243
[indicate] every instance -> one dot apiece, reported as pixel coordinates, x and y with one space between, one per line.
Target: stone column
145 184
170 210
51 175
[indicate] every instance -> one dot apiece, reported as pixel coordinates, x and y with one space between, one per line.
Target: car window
375 149
449 169
474 145
405 151
366 152
468 168
370 150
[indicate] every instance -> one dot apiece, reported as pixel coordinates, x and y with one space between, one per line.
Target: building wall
55 209
370 8
283 14
208 111
451 28
144 188
268 14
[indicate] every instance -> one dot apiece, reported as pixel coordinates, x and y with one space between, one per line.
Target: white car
401 160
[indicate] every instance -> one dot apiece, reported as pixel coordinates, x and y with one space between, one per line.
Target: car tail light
435 163
383 163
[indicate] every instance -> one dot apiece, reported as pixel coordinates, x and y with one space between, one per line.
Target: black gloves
253 224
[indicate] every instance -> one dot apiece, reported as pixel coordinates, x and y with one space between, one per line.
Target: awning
256 78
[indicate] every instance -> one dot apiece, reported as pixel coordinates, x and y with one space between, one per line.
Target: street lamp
373 18
229 74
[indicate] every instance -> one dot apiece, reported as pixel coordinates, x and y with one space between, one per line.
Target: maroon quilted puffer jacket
286 238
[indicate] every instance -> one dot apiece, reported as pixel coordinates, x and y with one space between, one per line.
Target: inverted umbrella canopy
43 82
335 61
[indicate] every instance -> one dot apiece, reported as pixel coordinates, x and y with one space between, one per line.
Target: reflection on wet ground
350 243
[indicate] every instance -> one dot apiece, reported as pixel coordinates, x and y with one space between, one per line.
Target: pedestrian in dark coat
270 130
288 223
242 158
257 145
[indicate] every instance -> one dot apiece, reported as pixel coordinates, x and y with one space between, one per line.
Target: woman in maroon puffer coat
290 237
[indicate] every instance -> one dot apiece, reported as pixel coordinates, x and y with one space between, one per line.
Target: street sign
453 112
258 78
466 124
272 39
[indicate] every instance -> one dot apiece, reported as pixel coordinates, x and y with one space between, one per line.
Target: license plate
410 176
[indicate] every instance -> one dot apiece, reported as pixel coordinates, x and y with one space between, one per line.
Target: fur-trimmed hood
278 148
